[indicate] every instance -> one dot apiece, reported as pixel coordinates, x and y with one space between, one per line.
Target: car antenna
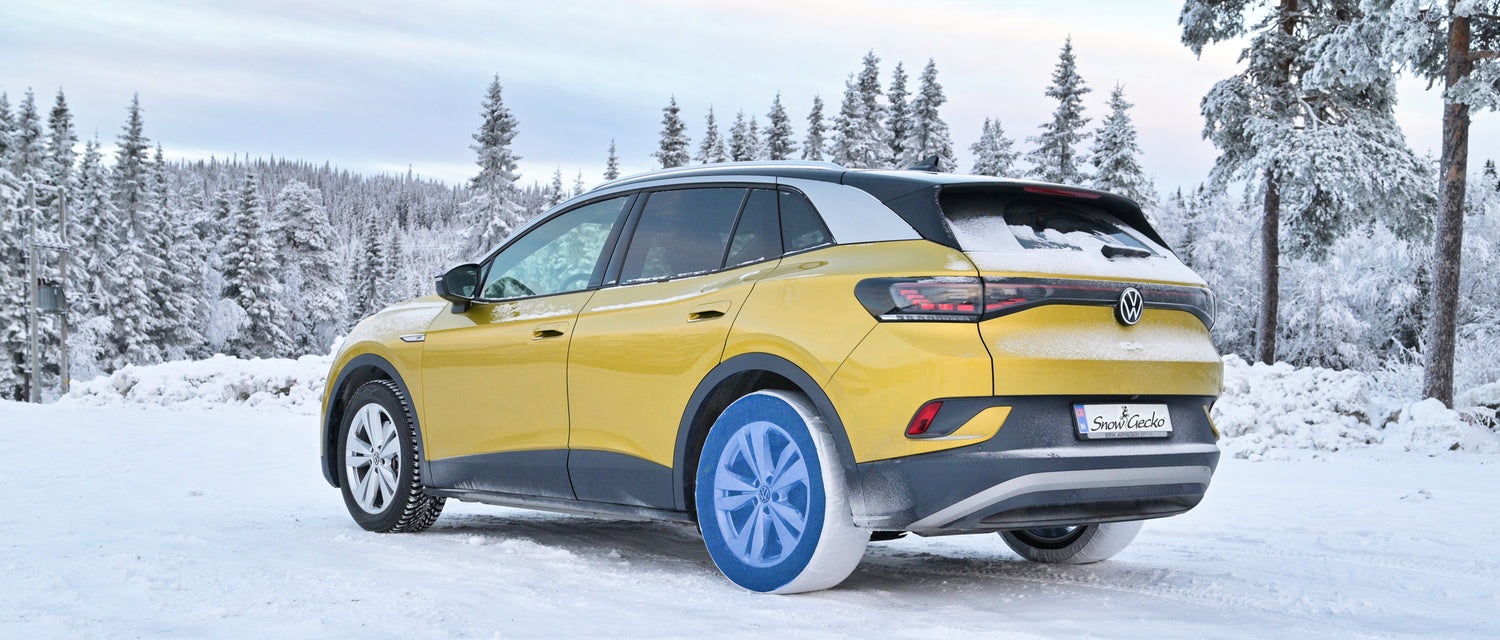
929 164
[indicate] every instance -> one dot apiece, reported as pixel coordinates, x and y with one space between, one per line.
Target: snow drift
1266 412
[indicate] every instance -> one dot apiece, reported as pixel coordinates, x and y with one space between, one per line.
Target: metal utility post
62 276
33 271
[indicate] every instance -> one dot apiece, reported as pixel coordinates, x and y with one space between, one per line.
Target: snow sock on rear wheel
771 498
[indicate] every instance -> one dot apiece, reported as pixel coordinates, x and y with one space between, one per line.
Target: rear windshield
1009 222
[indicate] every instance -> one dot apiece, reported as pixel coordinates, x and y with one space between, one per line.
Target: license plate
1122 420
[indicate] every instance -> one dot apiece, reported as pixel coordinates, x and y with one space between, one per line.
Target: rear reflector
921 422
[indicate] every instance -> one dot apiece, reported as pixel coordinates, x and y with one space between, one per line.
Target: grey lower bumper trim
1061 481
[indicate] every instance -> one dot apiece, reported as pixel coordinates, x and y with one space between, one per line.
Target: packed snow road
128 522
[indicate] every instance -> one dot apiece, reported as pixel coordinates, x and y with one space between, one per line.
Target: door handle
709 311
549 330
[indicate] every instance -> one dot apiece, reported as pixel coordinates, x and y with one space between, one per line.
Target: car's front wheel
771 497
380 469
1076 544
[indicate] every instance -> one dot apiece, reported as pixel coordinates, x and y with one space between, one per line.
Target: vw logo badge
1128 309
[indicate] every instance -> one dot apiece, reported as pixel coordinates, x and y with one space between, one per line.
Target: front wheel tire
771 497
380 466
1077 544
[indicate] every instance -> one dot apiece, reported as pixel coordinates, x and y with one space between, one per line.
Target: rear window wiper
1115 251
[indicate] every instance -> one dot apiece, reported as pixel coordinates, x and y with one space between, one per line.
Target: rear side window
801 227
1007 222
757 237
681 232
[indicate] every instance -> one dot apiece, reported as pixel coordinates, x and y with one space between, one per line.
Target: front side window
681 232
559 256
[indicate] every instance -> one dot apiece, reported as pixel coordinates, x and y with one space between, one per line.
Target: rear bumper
1036 472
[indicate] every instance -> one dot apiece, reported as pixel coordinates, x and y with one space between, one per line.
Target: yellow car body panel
380 335
638 354
1082 350
896 369
496 376
805 311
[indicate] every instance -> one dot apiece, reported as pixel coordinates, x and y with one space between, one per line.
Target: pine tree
97 244
249 279
779 144
493 208
311 291
578 186
752 139
994 154
1492 179
29 152
612 165
813 146
860 138
1057 155
1305 138
898 120
1114 152
673 150
711 150
13 292
929 133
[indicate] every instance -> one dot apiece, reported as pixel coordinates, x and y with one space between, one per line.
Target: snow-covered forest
274 257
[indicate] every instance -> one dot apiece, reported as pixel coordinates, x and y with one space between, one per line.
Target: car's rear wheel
771 497
1075 544
380 466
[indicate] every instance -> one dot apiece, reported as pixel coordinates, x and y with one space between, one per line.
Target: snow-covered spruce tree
578 185
898 120
250 280
672 151
1114 152
1058 156
929 133
994 154
311 291
28 153
813 145
711 149
556 194
779 144
1457 42
612 164
741 147
12 267
367 294
137 319
843 149
492 209
1304 144
97 283
61 157
176 291
752 137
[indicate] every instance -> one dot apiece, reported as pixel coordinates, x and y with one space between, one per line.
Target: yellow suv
797 358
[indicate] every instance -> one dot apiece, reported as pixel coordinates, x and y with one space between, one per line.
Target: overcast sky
380 86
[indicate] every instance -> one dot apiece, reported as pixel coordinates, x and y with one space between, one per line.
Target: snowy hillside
1275 412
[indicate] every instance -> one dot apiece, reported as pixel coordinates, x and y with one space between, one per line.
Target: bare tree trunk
1270 273
1448 248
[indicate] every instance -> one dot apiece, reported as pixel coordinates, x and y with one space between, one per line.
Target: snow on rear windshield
994 222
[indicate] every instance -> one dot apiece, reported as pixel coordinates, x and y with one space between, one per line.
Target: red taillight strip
1049 191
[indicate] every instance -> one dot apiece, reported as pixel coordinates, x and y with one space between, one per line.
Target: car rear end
1100 359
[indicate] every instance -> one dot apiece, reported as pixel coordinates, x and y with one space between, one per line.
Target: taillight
958 299
921 422
930 299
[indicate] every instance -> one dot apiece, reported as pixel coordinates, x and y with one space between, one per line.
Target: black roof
913 195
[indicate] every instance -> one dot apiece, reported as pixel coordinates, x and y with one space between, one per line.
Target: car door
642 346
495 376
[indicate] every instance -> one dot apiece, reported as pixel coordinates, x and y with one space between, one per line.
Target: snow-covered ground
201 520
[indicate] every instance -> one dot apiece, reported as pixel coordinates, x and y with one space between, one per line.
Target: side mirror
459 286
